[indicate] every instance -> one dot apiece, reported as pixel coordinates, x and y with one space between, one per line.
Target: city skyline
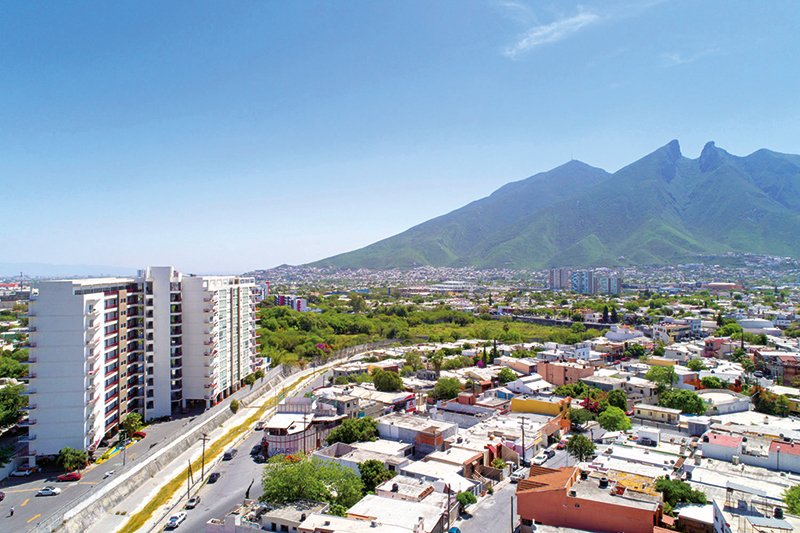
268 133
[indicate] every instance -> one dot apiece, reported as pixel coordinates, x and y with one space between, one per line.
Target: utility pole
189 481
522 422
204 438
512 513
124 438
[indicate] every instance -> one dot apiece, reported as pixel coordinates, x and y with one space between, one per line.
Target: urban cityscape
467 266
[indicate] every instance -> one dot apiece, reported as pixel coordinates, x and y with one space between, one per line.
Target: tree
506 375
357 303
685 400
132 423
249 379
71 459
618 398
711 382
580 447
614 317
414 360
260 374
354 430
234 405
373 473
446 389
613 419
11 401
577 317
696 365
663 376
605 314
579 417
436 360
791 497
466 498
676 491
498 463
387 381
341 380
290 478
7 454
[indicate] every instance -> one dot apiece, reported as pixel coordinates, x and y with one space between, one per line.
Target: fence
152 461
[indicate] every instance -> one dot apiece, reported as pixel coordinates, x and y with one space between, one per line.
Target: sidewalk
112 520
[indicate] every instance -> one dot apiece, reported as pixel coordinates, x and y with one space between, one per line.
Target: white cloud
674 59
550 33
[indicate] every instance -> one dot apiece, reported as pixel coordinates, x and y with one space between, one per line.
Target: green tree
634 350
260 374
506 375
373 473
613 419
414 360
685 400
580 447
791 497
466 498
436 360
234 405
11 401
696 365
579 417
132 423
711 382
71 459
676 491
357 303
354 430
290 478
614 317
605 314
341 380
249 379
446 389
663 376
498 463
386 381
618 398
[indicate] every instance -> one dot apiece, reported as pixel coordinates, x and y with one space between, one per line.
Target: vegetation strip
167 491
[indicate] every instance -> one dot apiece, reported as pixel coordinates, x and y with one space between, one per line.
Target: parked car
550 453
517 476
256 450
176 520
2 495
72 476
259 459
139 435
213 477
24 471
561 445
49 491
192 503
230 454
259 425
540 459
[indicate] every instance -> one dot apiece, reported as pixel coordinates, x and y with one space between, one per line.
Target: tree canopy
290 478
580 447
663 376
386 381
613 419
132 423
354 430
791 497
506 375
685 400
446 389
71 459
373 473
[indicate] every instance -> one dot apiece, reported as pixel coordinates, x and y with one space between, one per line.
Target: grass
163 496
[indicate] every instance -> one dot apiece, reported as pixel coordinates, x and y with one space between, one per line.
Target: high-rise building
290 300
607 285
559 279
102 348
582 281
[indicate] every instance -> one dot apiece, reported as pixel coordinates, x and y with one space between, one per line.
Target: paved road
218 499
493 513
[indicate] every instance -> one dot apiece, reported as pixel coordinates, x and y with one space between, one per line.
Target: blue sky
224 137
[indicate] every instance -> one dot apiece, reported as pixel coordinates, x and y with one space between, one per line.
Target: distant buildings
583 281
290 300
103 348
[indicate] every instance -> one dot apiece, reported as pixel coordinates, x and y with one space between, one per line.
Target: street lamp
204 438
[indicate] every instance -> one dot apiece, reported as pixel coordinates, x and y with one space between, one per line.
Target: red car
139 435
560 446
72 476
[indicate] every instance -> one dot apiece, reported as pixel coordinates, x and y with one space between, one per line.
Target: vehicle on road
109 473
550 453
72 476
517 476
213 477
540 459
561 445
453 530
230 454
259 425
139 435
24 471
192 503
2 495
256 450
176 520
49 491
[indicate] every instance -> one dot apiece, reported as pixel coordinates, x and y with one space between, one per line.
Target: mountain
660 209
451 238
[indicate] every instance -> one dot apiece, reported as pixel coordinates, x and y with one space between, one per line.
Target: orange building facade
561 498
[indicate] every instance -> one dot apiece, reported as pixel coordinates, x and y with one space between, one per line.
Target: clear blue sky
228 136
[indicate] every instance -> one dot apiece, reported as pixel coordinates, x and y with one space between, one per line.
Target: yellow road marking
23 503
131 455
88 482
34 518
20 490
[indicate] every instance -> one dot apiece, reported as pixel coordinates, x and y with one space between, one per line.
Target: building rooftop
728 441
414 422
337 524
458 456
406 486
396 512
430 469
590 489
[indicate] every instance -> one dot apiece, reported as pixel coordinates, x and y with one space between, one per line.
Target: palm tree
436 360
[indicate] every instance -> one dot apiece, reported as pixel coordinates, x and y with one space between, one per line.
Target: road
20 492
493 513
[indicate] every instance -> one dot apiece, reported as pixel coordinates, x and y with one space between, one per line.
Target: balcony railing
29 407
112 385
27 423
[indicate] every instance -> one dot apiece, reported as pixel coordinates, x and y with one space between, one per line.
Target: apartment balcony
135 359
110 398
176 396
175 309
111 333
210 342
31 329
92 342
26 438
27 423
110 357
174 320
31 345
29 407
93 312
175 364
29 376
110 306
174 298
112 385
176 375
29 361
28 392
110 319
175 342
26 451
114 370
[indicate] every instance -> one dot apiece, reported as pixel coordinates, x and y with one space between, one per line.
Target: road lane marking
23 503
131 455
34 518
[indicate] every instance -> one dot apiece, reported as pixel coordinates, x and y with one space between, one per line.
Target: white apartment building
102 348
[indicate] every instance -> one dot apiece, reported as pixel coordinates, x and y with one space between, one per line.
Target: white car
22 471
540 459
49 491
518 475
176 520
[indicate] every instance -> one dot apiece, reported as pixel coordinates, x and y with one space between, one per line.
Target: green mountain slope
660 209
448 239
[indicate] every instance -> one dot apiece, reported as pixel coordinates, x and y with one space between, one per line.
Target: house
393 456
532 384
374 509
426 433
301 424
563 373
656 413
266 517
619 333
525 366
571 499
724 401
545 404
